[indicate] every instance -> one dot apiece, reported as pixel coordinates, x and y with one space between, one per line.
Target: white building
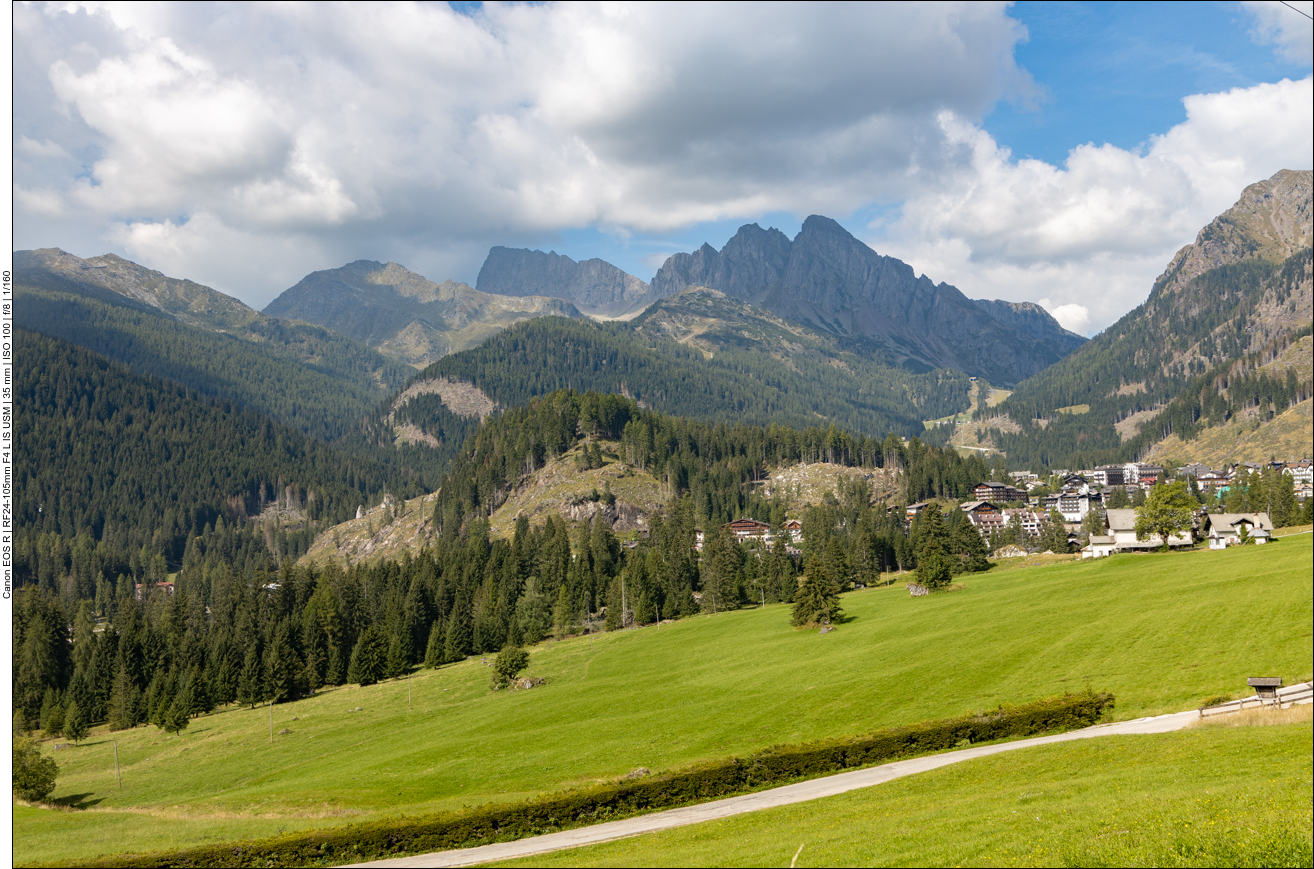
1122 527
1225 529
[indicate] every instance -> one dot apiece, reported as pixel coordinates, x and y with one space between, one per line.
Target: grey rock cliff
827 279
594 285
406 315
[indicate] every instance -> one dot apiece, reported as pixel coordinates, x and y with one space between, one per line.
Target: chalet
978 508
698 541
988 523
914 509
1100 546
748 529
1212 480
1074 505
794 529
1122 526
166 587
1147 475
998 492
1028 520
1225 528
1301 472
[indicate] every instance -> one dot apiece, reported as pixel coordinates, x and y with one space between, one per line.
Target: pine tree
817 600
563 616
250 684
368 658
433 652
972 548
934 565
395 663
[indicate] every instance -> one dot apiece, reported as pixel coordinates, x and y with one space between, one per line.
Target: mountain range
405 315
594 285
829 280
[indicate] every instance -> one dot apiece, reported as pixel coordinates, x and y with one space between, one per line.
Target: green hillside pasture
1230 796
1161 632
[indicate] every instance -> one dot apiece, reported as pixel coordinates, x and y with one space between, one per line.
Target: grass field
1213 796
1161 632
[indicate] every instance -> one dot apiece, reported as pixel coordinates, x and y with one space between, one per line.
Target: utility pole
117 774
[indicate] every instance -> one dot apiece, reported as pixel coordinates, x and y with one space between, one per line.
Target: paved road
782 796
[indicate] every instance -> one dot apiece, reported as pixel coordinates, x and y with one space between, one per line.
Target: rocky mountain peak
827 279
594 285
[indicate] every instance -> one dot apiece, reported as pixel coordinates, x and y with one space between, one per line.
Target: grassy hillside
1193 798
1161 632
1285 437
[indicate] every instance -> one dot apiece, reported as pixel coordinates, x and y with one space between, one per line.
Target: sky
1055 153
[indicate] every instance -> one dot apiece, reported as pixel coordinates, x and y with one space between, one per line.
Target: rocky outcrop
406 315
593 285
829 280
116 280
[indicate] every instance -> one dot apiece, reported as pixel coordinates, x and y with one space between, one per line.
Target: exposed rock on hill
114 279
1226 306
593 285
828 280
405 315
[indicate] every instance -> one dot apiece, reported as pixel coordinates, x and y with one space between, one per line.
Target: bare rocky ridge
594 286
830 281
405 315
114 279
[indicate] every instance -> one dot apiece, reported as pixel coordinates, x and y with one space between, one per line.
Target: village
1102 499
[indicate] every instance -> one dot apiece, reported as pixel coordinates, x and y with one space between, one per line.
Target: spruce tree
76 725
395 663
817 600
456 643
250 684
934 565
563 616
368 658
971 548
433 652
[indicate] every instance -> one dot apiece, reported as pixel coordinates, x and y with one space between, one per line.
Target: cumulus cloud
245 144
1097 230
413 130
1290 33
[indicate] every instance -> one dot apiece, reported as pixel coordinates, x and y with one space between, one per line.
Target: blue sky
1057 153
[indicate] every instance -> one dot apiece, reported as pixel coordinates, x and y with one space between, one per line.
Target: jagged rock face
827 279
406 315
594 285
1271 220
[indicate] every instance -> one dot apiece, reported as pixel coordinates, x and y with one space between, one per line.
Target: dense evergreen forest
305 377
735 385
267 633
122 474
715 463
1191 355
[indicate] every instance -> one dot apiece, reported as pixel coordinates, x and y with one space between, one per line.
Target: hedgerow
711 780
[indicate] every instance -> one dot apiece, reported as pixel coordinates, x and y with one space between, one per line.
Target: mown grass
1161 632
1228 796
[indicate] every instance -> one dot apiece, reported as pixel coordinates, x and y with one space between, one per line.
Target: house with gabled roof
1226 529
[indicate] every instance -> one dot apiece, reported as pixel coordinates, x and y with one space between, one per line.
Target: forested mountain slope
307 377
752 384
1193 354
830 281
405 315
144 474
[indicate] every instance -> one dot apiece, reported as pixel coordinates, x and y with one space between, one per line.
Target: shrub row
772 766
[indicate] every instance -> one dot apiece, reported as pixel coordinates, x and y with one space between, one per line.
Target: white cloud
1291 33
1097 230
374 127
1073 317
245 144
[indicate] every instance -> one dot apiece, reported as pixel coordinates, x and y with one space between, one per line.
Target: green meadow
1211 796
1162 632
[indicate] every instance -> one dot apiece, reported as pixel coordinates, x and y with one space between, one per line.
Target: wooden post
117 774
